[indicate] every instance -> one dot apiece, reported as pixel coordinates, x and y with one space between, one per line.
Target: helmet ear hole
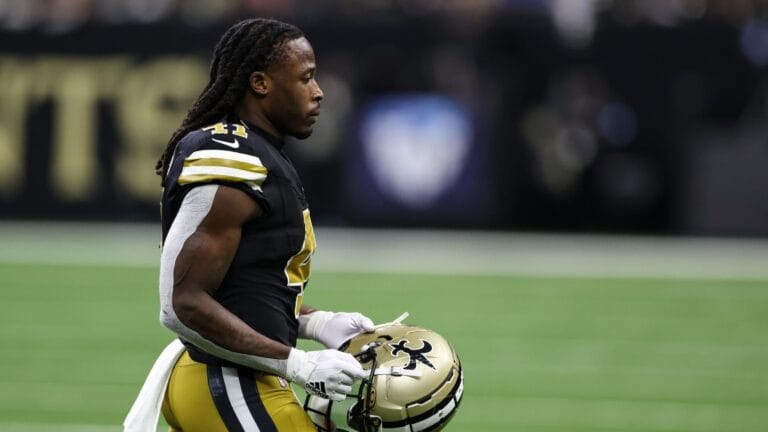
368 353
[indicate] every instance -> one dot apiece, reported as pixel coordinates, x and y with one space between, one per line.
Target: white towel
145 411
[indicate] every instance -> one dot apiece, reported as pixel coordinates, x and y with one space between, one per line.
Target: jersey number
297 270
225 129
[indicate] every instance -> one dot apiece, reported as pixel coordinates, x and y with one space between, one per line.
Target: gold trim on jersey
226 163
205 166
225 154
297 268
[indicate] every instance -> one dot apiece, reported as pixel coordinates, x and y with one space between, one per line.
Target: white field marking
51 427
612 414
409 252
80 244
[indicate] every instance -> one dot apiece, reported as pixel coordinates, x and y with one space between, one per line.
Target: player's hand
327 373
333 328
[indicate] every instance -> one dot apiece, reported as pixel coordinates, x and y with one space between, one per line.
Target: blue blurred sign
416 158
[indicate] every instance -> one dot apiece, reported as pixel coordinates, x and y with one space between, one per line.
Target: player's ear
260 83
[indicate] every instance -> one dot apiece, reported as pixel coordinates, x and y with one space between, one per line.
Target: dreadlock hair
247 46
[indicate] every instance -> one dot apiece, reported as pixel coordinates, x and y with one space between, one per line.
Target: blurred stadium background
572 192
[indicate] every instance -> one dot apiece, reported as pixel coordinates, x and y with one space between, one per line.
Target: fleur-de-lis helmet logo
415 355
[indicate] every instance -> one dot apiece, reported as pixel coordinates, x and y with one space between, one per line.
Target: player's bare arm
201 266
199 249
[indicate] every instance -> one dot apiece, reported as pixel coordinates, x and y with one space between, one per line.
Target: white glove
327 373
333 329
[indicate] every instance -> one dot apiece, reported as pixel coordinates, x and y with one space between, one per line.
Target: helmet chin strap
396 371
396 321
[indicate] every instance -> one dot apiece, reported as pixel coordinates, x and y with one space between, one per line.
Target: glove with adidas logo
327 373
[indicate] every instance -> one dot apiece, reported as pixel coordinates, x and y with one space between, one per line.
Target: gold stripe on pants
189 407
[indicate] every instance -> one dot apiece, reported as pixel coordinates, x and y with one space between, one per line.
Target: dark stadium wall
602 138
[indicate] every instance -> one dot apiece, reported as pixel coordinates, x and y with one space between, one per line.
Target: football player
238 243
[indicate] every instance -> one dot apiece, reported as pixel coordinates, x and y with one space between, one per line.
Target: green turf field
540 354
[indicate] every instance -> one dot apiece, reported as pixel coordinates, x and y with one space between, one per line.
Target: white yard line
618 414
417 251
540 254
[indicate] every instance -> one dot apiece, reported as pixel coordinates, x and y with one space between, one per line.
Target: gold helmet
415 382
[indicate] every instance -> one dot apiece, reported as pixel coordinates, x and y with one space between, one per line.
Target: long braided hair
247 46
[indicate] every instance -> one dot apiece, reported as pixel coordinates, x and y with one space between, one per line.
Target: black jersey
265 283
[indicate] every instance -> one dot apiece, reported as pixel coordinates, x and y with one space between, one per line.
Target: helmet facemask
359 415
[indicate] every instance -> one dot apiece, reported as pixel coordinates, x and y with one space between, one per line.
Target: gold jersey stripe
208 178
225 154
224 171
229 163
